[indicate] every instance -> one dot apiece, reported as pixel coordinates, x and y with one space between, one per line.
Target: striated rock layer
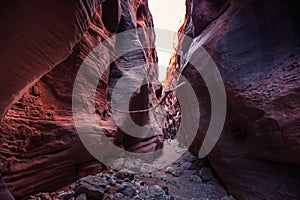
256 47
40 148
32 34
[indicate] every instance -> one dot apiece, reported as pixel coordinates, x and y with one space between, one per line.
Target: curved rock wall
256 47
40 149
31 34
139 67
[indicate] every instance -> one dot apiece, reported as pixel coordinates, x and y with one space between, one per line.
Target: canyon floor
186 178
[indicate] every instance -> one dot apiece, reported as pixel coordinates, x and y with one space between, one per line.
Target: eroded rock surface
255 45
37 37
40 148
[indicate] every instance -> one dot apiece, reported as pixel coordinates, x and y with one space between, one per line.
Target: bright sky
167 14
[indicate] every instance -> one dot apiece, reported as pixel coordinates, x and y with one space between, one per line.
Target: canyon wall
31 34
45 46
256 47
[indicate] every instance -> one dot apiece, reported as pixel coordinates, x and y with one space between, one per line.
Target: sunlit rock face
255 45
32 34
46 44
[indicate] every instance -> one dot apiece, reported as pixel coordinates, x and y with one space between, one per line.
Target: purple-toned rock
256 46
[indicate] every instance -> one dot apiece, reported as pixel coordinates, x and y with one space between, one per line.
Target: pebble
137 198
195 179
92 186
112 181
186 166
156 192
65 195
81 197
125 174
206 174
141 183
169 170
119 195
228 198
173 171
127 189
106 176
177 173
107 188
225 198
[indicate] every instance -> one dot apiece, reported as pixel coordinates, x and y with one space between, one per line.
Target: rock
107 177
169 170
119 195
82 197
65 195
161 177
45 125
177 172
107 188
228 198
127 189
169 197
225 198
46 196
39 130
156 192
141 183
112 181
92 186
206 174
259 145
4 192
173 171
124 174
186 166
256 53
195 179
137 198
41 41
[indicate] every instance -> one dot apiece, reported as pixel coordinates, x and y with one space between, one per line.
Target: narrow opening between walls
169 15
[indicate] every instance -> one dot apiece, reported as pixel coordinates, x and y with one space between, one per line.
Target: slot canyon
255 46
